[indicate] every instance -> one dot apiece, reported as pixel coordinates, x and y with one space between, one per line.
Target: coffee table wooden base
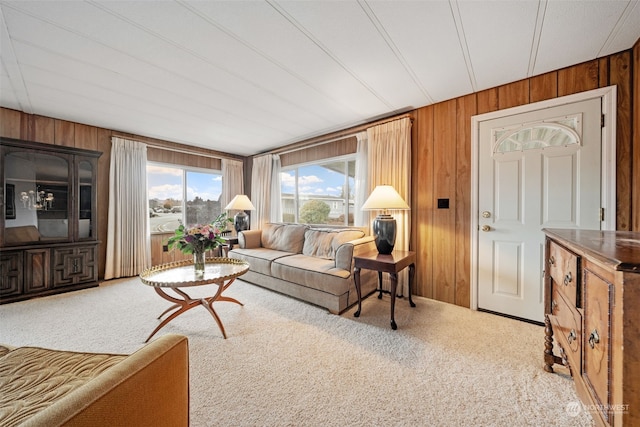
187 303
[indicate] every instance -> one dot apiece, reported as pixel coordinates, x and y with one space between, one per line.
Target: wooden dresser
592 319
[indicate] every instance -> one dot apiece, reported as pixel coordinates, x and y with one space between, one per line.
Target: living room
441 165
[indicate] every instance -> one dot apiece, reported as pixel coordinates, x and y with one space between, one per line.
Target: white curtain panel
360 217
128 239
232 180
276 193
261 176
389 154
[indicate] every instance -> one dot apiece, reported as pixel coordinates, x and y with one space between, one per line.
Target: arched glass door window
559 132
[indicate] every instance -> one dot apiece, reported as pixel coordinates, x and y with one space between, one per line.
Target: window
182 194
558 132
320 192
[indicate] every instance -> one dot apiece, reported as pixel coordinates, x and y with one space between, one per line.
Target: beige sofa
46 388
311 263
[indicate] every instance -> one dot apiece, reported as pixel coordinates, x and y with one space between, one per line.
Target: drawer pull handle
572 336
554 304
563 355
594 338
552 260
567 279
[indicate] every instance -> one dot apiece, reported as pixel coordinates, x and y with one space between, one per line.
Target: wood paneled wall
318 152
441 164
18 125
635 143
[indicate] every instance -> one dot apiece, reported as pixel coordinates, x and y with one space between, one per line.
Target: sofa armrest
148 388
249 239
346 251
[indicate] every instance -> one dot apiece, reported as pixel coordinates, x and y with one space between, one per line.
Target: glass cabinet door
36 197
86 202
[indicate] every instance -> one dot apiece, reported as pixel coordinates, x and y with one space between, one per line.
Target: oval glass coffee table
176 275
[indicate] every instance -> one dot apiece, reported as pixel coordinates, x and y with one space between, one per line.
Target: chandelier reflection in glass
37 200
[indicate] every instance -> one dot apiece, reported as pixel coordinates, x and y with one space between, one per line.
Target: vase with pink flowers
199 238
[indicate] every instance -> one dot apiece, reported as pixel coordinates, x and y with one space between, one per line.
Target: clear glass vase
198 263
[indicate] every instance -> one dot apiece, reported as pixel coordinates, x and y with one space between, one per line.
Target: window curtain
265 190
232 180
360 217
389 161
276 192
128 239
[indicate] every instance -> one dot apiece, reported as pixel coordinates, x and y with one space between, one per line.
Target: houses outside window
320 192
182 194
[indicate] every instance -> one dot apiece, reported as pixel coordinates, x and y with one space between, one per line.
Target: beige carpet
288 363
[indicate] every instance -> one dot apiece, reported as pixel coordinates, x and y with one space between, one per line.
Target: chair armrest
249 239
148 388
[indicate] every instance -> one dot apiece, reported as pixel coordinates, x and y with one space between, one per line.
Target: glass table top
182 273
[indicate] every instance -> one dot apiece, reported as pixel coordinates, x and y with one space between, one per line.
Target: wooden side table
392 264
229 241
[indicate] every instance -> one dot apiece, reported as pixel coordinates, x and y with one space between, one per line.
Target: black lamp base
384 229
241 221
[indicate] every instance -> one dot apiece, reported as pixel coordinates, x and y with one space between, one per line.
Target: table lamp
384 197
241 219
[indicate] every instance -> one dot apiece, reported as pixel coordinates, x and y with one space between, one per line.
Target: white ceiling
247 76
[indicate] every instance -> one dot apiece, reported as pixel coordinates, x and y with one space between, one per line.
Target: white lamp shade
384 197
240 203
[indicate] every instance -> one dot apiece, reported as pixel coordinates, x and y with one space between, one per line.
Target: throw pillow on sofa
323 243
283 237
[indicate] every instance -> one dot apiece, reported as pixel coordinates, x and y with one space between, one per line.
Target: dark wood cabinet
592 295
36 277
73 265
48 238
11 273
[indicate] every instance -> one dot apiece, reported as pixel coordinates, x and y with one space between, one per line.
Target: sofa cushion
318 243
324 243
344 236
283 237
33 378
259 258
4 350
313 272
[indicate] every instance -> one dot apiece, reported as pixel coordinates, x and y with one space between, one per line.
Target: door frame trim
608 95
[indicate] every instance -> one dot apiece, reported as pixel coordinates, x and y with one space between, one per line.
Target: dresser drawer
567 328
597 347
564 269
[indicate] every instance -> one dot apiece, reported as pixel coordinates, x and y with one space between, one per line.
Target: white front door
539 169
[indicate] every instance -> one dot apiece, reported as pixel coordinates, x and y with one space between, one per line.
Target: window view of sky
166 183
313 180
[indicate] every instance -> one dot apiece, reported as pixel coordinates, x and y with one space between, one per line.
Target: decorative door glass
558 132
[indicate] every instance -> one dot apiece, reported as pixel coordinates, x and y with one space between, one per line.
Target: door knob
485 228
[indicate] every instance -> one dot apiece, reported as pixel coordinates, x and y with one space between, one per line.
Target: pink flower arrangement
199 238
